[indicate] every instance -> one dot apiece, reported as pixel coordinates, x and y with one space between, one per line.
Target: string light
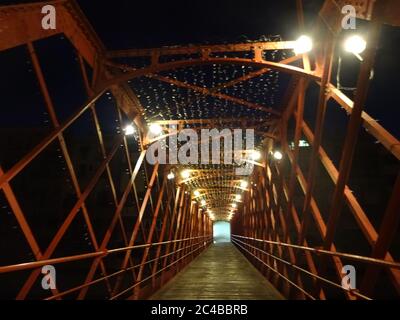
170 176
185 174
255 155
155 129
163 101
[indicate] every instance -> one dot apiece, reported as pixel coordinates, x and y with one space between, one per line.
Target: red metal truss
166 228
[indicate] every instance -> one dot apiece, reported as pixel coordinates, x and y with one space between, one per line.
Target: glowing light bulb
203 202
244 184
355 44
303 44
129 130
196 193
155 129
238 197
170 176
234 205
278 155
185 174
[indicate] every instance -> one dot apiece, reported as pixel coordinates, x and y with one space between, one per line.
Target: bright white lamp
185 174
155 129
278 155
255 155
129 130
244 184
170 176
303 44
355 44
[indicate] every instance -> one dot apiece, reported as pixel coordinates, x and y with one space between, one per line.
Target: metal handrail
61 294
365 259
103 253
325 280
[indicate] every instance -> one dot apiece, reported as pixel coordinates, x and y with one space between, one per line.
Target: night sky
126 24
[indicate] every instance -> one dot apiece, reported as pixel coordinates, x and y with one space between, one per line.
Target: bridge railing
255 250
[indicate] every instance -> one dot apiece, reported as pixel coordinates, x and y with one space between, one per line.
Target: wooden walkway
221 272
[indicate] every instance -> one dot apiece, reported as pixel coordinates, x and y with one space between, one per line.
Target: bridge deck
221 272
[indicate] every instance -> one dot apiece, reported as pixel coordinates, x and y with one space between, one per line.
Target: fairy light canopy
211 96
